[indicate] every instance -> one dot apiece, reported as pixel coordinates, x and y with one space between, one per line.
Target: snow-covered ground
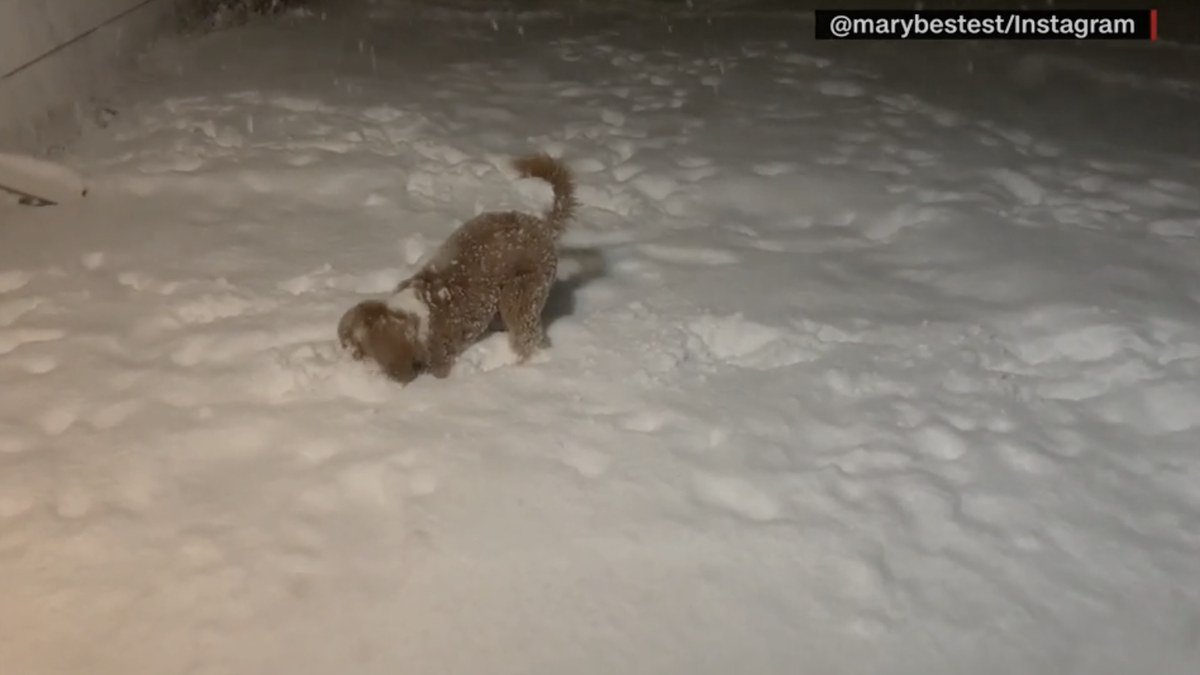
895 369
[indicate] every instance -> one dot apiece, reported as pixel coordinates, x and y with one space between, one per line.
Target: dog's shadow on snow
562 301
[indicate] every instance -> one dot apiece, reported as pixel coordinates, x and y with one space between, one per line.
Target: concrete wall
57 55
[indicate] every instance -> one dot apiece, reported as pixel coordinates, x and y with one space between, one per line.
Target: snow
894 368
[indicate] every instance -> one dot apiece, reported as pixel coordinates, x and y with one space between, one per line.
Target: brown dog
497 263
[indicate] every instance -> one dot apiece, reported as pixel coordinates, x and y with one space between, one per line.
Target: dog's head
372 330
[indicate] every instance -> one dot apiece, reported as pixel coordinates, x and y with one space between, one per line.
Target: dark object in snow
221 14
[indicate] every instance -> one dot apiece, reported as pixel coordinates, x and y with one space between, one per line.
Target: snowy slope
895 369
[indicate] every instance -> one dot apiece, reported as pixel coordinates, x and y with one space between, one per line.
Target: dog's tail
556 173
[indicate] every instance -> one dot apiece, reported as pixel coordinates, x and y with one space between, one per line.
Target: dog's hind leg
521 303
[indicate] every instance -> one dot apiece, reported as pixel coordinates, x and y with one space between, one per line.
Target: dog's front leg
441 361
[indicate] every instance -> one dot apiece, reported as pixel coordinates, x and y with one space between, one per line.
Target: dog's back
493 247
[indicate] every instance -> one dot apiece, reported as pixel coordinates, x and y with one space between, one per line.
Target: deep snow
895 370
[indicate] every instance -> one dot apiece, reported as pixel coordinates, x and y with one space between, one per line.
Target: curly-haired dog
496 264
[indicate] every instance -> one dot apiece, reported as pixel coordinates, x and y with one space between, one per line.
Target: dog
495 265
